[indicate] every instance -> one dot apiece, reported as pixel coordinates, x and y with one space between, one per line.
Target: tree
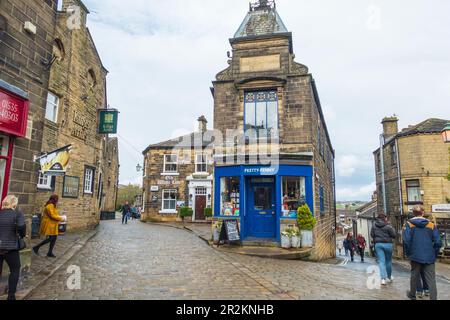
127 193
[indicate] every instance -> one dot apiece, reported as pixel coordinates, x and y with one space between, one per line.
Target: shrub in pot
286 239
186 212
208 213
306 223
295 238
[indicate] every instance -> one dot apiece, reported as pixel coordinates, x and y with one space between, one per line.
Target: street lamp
446 133
138 167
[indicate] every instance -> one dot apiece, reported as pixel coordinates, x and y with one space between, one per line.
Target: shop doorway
261 213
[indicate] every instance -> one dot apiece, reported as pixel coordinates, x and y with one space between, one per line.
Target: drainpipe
400 193
383 182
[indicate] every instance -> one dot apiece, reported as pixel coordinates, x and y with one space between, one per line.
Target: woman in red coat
361 241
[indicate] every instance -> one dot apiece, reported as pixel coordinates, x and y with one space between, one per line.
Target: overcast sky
370 59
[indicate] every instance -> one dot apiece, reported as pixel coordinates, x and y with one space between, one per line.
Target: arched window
92 79
58 50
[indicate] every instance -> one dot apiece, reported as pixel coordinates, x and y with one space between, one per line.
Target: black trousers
51 240
12 259
429 272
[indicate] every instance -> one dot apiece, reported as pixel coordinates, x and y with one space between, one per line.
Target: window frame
170 191
393 154
254 103
91 191
408 187
165 163
48 185
203 163
55 106
322 199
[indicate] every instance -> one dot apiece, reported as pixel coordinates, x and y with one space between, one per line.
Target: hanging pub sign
13 114
108 119
55 163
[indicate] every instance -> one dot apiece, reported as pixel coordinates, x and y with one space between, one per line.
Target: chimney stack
390 126
202 124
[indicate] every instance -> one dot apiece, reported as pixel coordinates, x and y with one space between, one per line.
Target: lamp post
446 133
138 167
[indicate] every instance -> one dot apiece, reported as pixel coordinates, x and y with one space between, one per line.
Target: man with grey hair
422 242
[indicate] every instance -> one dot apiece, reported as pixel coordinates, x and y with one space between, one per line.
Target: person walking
422 287
383 235
422 243
345 243
340 246
49 226
361 241
350 245
125 212
12 226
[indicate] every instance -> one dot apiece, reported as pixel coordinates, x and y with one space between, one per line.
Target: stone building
412 168
266 101
177 173
25 50
76 91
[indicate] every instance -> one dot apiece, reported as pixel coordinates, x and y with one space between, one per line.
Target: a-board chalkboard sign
230 232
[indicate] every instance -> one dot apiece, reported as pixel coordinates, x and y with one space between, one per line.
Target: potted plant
295 238
186 212
306 223
208 213
286 239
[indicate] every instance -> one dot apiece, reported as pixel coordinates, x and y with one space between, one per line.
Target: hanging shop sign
13 114
55 163
108 119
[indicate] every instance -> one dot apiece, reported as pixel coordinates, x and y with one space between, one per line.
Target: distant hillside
350 205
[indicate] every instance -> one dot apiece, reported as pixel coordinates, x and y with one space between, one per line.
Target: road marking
344 263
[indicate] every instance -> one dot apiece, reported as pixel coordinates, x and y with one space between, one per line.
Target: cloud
351 193
347 165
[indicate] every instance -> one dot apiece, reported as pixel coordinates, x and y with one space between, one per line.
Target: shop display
294 195
230 196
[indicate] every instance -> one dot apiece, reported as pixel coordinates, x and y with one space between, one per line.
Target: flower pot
295 241
286 242
307 238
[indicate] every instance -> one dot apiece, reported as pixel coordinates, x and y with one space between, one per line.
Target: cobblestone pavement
142 261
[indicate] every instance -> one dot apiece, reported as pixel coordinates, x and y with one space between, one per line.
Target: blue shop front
262 197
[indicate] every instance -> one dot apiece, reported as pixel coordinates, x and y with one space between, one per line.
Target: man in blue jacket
422 242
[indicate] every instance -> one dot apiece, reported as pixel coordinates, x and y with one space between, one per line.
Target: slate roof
194 139
428 126
262 19
370 214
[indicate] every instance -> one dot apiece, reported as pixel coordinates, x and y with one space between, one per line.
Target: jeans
429 272
384 255
125 218
52 241
12 258
422 286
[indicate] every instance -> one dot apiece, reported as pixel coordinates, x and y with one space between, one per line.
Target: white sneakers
391 279
383 282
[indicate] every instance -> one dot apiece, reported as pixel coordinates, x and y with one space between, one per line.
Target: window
378 162
294 195
44 181
169 200
261 114
89 180
170 163
51 111
321 199
201 191
201 164
413 191
393 154
229 196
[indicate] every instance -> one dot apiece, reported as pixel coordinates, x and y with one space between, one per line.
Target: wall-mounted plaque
71 187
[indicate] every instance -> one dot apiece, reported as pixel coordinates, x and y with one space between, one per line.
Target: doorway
261 218
200 203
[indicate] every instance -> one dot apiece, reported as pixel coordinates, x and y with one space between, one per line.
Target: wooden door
200 205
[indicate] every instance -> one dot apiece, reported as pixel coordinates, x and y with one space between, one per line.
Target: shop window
201 163
51 111
169 202
294 195
229 196
89 181
170 163
413 191
261 114
44 181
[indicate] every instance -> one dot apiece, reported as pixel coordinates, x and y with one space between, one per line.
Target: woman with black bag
12 232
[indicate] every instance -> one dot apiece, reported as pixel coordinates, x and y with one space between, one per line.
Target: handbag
20 242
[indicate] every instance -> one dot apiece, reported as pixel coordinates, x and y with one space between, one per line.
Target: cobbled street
142 261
